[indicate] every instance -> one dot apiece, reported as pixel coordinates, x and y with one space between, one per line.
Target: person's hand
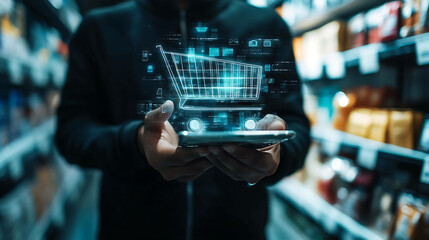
159 142
247 164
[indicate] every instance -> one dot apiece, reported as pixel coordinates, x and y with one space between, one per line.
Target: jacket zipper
189 185
190 210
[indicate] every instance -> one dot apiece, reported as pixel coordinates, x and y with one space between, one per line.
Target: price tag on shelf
335 66
367 158
15 71
331 148
15 168
313 68
368 59
424 176
422 50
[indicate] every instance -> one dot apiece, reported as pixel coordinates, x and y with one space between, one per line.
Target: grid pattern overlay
205 78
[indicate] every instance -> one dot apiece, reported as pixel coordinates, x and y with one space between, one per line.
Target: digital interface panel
217 83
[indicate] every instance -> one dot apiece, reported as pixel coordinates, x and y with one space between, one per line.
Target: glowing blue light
214 52
253 43
150 69
226 52
195 125
267 67
201 29
250 124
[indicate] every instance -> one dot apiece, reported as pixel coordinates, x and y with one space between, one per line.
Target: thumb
277 125
156 118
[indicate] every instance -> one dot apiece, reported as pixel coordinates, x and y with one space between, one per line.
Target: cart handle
170 71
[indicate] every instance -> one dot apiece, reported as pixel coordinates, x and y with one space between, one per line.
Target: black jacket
98 121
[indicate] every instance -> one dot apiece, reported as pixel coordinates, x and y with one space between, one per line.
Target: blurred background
364 67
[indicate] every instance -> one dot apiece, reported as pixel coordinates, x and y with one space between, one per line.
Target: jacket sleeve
288 106
82 136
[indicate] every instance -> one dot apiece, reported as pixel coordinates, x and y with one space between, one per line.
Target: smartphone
254 139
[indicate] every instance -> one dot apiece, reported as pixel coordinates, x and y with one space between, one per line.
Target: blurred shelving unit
37 138
323 213
397 51
70 181
344 10
37 186
336 137
45 10
395 64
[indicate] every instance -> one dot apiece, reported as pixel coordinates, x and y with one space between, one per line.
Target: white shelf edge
320 210
337 136
27 142
318 19
354 53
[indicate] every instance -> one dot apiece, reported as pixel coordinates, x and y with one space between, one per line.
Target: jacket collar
198 9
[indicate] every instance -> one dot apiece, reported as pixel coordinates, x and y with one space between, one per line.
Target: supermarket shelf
388 50
48 13
321 211
337 137
27 143
384 51
21 66
344 10
70 181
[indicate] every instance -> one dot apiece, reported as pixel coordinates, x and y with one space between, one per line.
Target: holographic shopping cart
207 79
210 79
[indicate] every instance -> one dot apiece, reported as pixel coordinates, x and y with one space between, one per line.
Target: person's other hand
159 142
248 164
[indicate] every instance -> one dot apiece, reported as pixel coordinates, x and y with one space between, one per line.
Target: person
151 188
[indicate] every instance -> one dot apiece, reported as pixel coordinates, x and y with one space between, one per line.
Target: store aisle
83 219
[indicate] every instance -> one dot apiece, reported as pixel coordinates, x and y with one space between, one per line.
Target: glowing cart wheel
250 124
195 125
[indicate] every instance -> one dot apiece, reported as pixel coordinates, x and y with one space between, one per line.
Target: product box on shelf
391 21
330 38
415 17
411 219
424 138
400 130
13 22
358 30
374 20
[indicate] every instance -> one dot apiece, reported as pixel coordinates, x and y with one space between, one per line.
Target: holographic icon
201 29
253 43
150 68
145 56
267 43
233 42
159 93
227 52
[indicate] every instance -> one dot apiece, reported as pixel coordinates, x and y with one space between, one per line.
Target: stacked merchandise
368 112
389 197
388 22
32 69
295 11
33 180
388 204
372 113
26 195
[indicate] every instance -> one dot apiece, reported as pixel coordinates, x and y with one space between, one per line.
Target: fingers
219 165
155 119
188 172
234 168
168 155
271 122
258 160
